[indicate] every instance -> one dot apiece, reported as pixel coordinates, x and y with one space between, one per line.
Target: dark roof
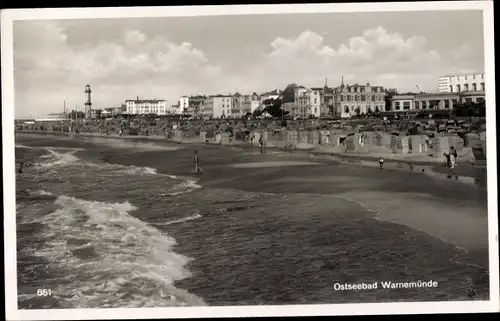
219 95
316 88
237 94
145 100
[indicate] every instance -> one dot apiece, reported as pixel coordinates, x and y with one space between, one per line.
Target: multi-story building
237 105
460 83
184 104
194 107
54 118
217 106
147 106
350 100
307 102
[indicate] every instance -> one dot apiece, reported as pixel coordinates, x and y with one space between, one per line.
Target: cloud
134 64
50 64
377 56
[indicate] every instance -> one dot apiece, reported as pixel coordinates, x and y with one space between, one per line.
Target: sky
165 58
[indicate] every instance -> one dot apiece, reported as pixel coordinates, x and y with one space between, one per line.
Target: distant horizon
167 58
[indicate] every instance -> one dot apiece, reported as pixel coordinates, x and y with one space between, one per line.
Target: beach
279 228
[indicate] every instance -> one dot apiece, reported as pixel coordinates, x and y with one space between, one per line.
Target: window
396 105
480 99
451 88
348 97
446 104
466 87
482 86
458 88
363 98
342 98
373 97
474 87
468 100
406 105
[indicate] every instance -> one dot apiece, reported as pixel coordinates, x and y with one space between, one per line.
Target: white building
460 83
402 103
54 117
183 104
307 102
217 106
147 106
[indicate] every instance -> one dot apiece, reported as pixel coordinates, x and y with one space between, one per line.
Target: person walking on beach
453 157
196 160
381 163
261 143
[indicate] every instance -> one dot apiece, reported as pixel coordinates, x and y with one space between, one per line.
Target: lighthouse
88 102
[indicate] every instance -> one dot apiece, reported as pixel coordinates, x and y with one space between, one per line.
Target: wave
140 170
58 158
23 146
116 259
182 220
183 188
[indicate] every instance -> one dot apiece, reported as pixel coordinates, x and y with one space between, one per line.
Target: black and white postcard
258 160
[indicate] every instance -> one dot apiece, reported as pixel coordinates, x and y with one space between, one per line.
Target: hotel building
147 106
350 100
183 104
460 83
217 106
307 102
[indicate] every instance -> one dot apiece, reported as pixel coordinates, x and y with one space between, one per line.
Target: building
436 101
351 100
433 101
472 96
307 103
147 106
54 117
460 83
237 105
194 107
217 106
402 103
275 94
184 104
95 113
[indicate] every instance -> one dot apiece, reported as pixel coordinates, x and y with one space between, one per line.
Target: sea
100 234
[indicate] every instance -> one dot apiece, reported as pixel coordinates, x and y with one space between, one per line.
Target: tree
273 107
389 93
470 109
248 114
289 93
257 112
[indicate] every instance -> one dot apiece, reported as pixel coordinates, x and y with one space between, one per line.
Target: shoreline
431 166
313 150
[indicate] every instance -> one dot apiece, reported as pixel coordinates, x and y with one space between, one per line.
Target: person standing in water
196 160
20 169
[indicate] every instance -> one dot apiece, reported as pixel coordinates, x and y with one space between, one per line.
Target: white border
12 313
